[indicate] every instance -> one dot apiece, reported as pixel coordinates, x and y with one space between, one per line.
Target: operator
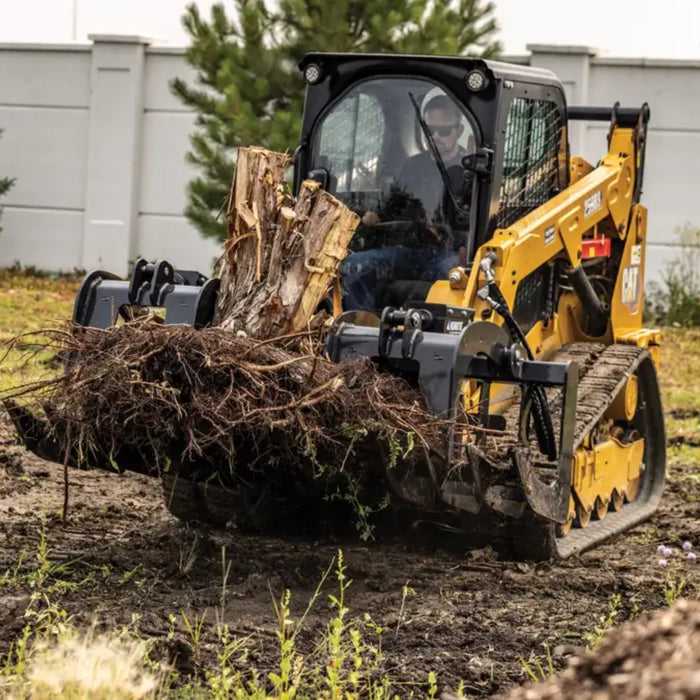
417 197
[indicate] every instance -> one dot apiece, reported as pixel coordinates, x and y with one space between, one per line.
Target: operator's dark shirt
420 177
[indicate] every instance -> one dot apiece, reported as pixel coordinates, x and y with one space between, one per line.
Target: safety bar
625 116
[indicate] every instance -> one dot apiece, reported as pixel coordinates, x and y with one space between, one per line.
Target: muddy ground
466 618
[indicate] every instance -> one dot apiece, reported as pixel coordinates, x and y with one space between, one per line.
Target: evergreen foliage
249 92
5 185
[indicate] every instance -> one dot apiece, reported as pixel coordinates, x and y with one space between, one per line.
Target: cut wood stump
281 254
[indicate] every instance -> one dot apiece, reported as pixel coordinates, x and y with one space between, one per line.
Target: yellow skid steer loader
500 274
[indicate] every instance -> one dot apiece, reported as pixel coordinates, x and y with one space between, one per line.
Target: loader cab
434 153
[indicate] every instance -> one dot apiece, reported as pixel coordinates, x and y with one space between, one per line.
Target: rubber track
597 389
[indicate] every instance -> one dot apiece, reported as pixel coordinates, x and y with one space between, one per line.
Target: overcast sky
640 28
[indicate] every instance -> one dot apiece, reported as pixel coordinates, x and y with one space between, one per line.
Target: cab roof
409 62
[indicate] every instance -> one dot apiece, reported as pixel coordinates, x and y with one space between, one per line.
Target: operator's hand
370 218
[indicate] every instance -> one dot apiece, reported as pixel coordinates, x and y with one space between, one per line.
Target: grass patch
679 375
682 455
679 371
29 303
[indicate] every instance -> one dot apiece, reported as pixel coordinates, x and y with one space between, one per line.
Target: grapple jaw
33 432
187 296
36 435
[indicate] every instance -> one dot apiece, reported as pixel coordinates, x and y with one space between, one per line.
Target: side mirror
480 162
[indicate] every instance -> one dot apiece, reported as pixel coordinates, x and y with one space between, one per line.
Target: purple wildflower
663 562
690 556
687 546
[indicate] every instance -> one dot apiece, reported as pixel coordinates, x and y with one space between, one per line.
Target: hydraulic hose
591 303
544 428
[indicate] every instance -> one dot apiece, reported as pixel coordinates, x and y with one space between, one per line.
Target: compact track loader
530 334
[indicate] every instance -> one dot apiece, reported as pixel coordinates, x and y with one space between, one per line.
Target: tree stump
281 255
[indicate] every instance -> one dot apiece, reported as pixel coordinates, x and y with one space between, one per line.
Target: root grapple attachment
482 352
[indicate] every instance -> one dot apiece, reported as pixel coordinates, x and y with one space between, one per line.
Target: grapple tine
34 432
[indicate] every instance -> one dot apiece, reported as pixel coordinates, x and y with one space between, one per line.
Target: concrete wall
97 143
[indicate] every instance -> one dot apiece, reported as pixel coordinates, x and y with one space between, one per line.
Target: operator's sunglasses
442 130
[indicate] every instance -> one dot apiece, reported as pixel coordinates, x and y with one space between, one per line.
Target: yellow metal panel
608 466
628 296
578 168
605 191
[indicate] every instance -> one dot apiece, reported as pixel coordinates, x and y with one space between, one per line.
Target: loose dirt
656 657
466 617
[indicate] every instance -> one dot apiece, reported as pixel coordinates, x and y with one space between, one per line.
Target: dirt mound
656 656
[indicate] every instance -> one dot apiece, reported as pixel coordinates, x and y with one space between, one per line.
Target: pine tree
5 185
249 90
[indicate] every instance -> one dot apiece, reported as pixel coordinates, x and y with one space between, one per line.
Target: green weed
536 669
188 555
593 639
195 628
405 593
12 576
673 588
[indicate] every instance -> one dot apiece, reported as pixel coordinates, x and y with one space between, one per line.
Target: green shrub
676 302
5 185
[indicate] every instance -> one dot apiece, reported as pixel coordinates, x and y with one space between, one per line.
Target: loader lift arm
567 222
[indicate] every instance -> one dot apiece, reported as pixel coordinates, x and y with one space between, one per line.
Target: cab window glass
351 141
531 158
367 139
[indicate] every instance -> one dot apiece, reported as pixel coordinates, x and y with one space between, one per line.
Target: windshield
393 150
373 147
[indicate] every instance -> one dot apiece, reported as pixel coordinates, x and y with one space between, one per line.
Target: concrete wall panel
45 78
161 68
172 238
45 238
164 171
46 151
672 91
